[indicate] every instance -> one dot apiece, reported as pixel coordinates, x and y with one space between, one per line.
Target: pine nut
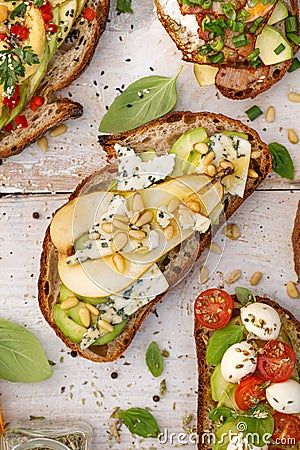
232 231
145 218
139 235
107 227
294 97
255 278
292 290
252 173
120 225
234 276
85 316
292 136
69 303
92 309
226 164
61 129
204 274
43 143
208 158
119 262
211 170
169 232
3 13
270 114
215 248
255 154
194 206
201 147
135 217
105 326
120 240
121 218
137 202
173 205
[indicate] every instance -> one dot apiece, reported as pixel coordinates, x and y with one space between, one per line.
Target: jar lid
48 444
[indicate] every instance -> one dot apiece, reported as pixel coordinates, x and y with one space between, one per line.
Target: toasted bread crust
159 134
205 402
296 242
67 64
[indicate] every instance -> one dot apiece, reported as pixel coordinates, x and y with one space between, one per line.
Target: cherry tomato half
276 362
89 14
213 308
286 429
249 392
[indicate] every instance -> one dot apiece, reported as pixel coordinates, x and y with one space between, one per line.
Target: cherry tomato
89 14
213 308
47 16
36 102
46 11
3 36
21 122
276 362
286 429
21 32
50 27
249 392
13 100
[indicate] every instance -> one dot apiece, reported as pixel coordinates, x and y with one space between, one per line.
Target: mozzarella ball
238 361
285 396
261 320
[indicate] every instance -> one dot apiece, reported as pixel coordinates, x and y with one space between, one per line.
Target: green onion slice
217 45
217 58
294 38
254 112
291 24
295 65
279 49
229 11
240 40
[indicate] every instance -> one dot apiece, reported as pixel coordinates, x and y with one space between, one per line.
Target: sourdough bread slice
68 62
296 242
205 402
159 134
233 80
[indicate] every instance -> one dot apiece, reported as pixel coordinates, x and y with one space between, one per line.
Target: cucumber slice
268 41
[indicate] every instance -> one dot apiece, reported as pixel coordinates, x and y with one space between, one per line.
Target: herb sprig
12 65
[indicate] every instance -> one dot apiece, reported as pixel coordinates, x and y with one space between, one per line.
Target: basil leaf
258 425
140 421
221 340
124 6
22 358
144 100
223 414
281 160
154 359
244 296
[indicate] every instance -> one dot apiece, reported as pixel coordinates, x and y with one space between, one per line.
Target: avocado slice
108 337
4 116
205 75
149 155
67 14
224 433
65 293
268 41
227 398
69 328
236 133
183 147
280 12
218 384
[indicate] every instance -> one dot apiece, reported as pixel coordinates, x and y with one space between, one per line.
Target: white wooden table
40 182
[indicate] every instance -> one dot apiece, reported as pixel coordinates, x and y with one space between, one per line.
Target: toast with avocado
248 354
131 231
49 44
251 44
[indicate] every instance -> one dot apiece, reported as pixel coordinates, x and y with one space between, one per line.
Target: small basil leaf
281 160
223 414
258 425
124 6
140 421
154 359
221 340
244 296
22 358
144 100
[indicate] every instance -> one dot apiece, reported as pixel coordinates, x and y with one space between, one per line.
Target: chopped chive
291 24
243 14
218 58
294 38
204 22
229 11
295 65
256 24
253 58
238 27
255 63
264 2
279 49
240 40
206 4
217 45
254 112
204 50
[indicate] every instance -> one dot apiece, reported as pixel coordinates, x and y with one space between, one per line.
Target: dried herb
154 359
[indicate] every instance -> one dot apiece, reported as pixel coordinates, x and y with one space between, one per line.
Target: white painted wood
266 221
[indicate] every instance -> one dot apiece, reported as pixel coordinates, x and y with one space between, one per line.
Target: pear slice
100 277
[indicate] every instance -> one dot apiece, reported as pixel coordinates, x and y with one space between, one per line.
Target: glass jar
44 434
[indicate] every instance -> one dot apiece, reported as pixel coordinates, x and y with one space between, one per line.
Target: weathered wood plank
76 388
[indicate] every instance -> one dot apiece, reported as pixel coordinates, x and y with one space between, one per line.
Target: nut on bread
159 134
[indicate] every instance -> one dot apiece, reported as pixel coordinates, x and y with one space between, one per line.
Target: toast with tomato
49 44
248 353
250 44
102 273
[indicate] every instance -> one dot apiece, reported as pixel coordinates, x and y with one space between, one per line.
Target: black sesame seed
151 68
114 375
127 60
73 354
156 398
35 215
